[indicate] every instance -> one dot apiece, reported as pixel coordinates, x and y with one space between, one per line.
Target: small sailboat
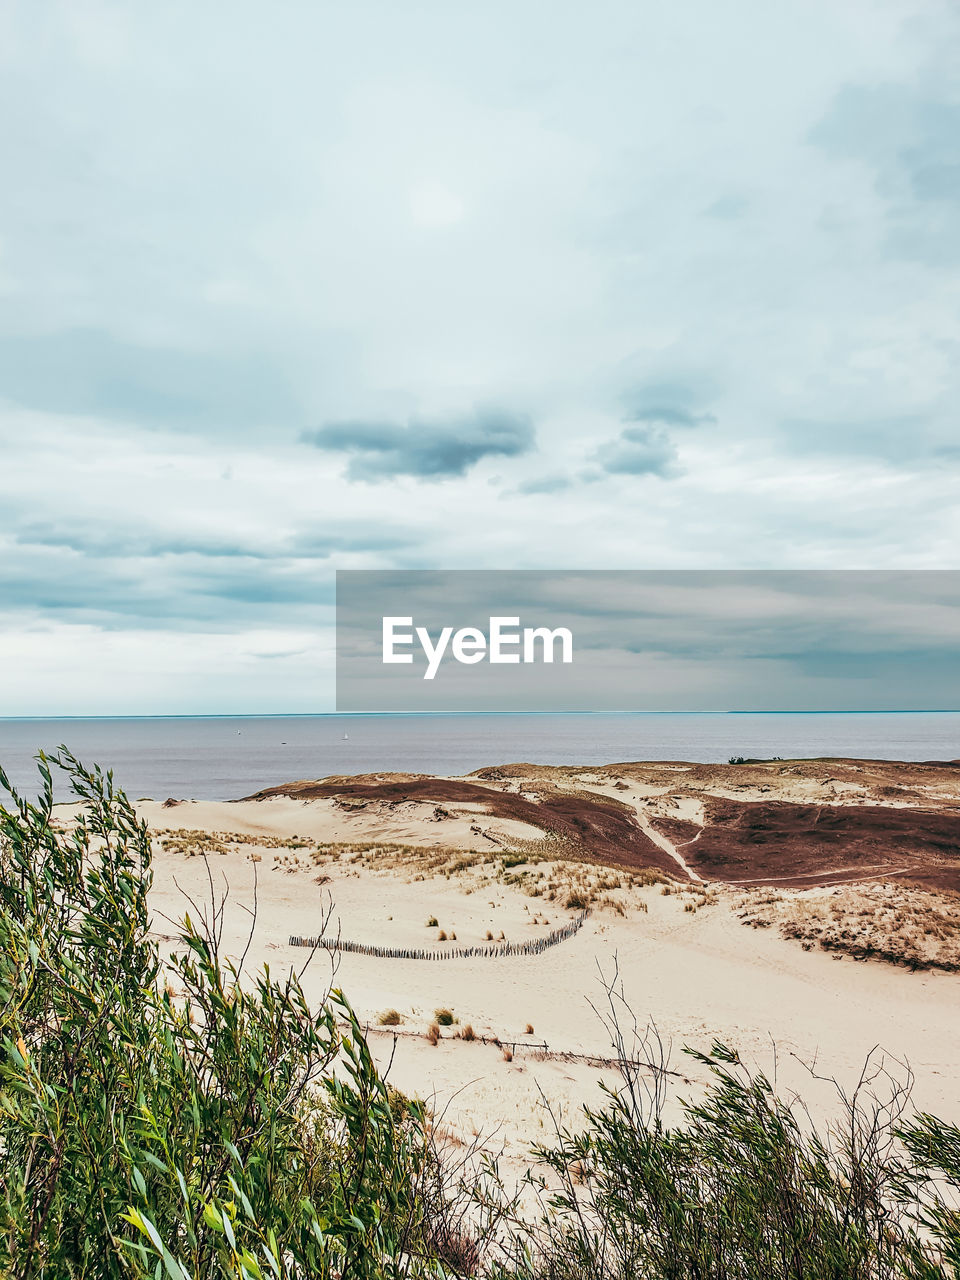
346 737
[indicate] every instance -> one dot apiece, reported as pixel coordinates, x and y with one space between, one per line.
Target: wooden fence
492 951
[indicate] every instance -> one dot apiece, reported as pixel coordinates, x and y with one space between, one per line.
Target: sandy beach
402 862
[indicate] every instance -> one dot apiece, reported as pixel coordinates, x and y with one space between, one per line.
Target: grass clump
898 923
444 1017
389 1018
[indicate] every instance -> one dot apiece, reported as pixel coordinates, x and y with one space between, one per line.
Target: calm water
221 758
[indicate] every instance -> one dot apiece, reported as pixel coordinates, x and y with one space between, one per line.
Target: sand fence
490 951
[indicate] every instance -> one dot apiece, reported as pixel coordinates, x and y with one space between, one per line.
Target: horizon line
318 715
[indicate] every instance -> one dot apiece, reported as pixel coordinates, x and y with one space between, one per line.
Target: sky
292 288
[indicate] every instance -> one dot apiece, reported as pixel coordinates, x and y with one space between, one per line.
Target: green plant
744 1188
201 1134
444 1017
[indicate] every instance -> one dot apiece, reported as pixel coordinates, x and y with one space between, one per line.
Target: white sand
696 976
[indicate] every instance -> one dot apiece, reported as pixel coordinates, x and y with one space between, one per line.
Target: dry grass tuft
389 1018
901 924
433 1034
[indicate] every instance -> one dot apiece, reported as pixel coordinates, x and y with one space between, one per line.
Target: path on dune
668 846
661 841
604 828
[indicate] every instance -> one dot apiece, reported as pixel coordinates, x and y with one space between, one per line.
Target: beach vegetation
159 1117
173 1115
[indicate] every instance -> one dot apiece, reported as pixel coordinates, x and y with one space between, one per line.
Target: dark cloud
114 543
427 450
639 451
670 417
117 594
86 371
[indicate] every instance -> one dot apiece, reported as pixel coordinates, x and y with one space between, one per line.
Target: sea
228 757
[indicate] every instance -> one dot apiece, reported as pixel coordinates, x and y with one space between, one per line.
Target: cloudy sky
291 288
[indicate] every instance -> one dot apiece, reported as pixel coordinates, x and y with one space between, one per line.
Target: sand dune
513 853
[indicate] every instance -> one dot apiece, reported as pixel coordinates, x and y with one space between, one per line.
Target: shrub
468 1033
433 1034
442 936
576 902
432 922
199 1135
744 1188
389 1018
529 1029
507 1054
444 1017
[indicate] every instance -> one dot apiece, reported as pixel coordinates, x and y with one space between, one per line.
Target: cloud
670 417
639 451
89 372
910 138
740 300
126 543
427 450
545 484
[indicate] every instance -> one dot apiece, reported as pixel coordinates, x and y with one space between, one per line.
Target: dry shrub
529 1030
444 1017
899 923
433 1034
442 936
507 1054
468 1033
389 1018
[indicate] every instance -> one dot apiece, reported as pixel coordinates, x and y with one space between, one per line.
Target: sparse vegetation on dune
897 923
551 870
